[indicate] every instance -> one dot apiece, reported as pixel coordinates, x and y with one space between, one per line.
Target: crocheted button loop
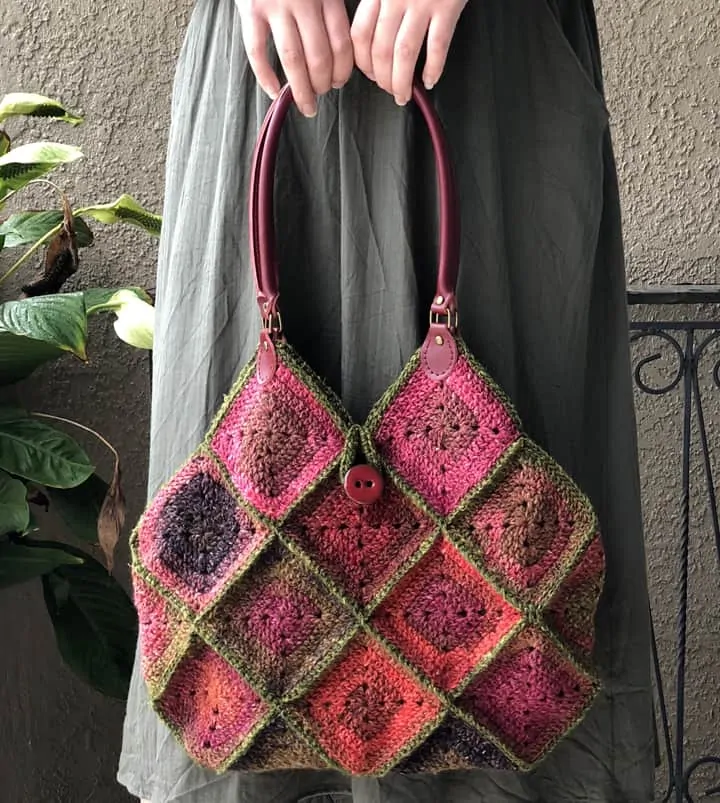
363 484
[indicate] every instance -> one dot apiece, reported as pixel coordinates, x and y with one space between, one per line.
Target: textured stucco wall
662 70
113 61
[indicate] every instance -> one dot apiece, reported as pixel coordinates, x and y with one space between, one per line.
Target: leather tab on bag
439 352
267 358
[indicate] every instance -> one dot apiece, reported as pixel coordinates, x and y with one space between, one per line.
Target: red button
364 484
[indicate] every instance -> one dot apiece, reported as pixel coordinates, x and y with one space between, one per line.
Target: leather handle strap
254 243
261 217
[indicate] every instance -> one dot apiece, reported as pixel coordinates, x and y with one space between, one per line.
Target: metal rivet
439 340
439 300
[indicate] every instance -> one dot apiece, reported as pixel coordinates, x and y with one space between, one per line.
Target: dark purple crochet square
195 536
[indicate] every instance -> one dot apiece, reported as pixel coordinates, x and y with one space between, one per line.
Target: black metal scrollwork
687 343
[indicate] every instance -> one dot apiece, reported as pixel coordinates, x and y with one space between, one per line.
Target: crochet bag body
413 594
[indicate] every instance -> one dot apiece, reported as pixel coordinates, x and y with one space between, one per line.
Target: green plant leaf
95 625
20 176
5 143
31 449
14 508
36 330
135 323
79 507
20 356
27 162
125 210
9 413
26 228
58 320
36 153
22 562
134 310
102 299
29 105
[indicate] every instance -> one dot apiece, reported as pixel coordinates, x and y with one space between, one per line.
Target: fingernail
309 110
428 84
401 101
338 85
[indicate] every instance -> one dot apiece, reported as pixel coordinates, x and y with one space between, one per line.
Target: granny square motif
414 594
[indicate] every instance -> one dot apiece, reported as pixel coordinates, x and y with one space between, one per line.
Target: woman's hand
312 39
388 35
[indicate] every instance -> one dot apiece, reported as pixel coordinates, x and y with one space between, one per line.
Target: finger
440 34
255 32
383 47
338 29
361 33
292 57
316 45
407 50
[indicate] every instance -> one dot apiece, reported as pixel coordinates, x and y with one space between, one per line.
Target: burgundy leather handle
261 218
255 256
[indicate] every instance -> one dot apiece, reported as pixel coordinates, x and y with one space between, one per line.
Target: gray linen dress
542 305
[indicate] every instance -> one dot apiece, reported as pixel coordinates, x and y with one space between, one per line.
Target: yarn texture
448 625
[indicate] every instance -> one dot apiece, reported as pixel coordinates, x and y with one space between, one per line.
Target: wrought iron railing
681 344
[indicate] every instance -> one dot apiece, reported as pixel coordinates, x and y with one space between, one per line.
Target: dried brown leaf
112 517
61 258
36 496
4 143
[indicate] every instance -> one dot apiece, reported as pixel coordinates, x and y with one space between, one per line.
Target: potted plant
42 466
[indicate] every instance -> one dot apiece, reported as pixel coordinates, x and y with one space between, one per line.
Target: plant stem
79 426
24 258
34 181
48 182
10 195
83 210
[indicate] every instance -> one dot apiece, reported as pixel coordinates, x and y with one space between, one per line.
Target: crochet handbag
414 594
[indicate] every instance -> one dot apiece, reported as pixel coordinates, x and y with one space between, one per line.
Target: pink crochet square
162 631
279 621
527 528
212 707
194 536
360 547
529 696
444 438
444 616
368 708
276 439
572 610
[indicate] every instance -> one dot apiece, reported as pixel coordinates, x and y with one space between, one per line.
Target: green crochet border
361 437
